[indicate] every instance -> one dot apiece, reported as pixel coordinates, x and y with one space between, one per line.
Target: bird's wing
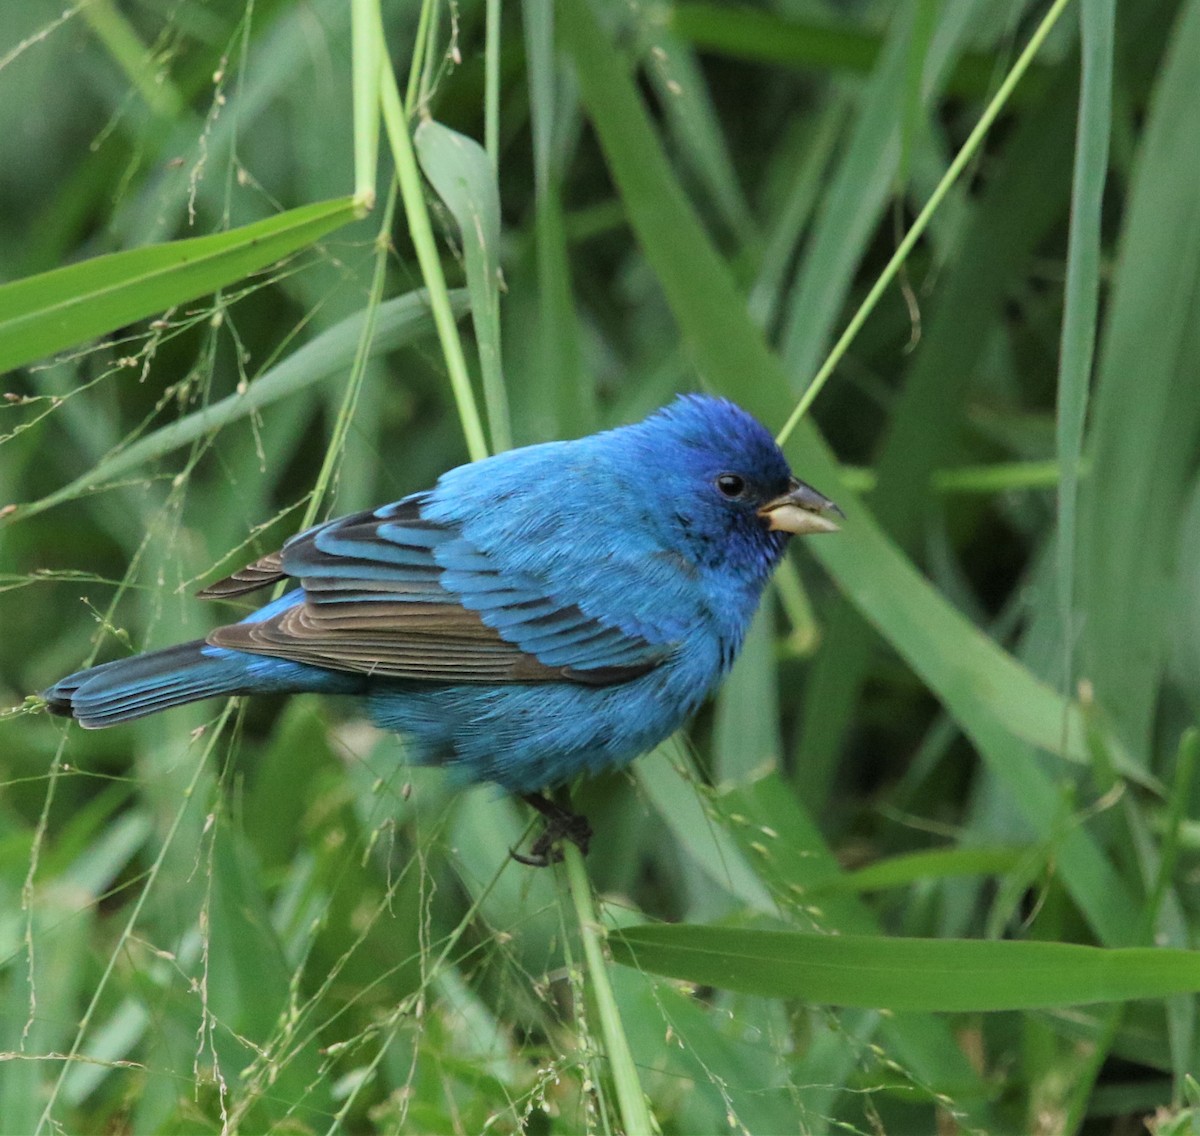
375 600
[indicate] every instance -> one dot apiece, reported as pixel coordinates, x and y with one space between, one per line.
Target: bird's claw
560 824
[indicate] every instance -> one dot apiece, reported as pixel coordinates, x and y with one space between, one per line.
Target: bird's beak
801 510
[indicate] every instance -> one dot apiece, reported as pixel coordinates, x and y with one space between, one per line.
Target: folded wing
390 593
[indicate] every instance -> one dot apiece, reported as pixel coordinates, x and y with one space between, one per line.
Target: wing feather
391 593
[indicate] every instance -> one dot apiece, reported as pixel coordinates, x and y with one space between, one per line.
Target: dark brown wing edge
399 644
266 570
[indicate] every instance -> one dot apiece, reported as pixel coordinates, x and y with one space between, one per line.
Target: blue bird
549 611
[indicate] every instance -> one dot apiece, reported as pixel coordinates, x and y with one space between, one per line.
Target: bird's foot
560 824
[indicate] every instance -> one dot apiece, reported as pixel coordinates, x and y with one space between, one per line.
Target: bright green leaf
877 972
58 309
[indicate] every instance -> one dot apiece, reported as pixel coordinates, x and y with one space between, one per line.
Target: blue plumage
551 610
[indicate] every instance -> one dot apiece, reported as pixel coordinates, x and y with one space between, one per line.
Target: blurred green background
960 718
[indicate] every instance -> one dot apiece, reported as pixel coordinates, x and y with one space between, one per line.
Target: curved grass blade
1145 412
761 36
931 864
51 311
878 972
461 172
398 322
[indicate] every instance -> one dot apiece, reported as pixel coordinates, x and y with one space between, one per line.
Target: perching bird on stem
549 611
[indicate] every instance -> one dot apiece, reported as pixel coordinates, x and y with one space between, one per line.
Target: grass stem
412 194
631 1101
367 55
969 148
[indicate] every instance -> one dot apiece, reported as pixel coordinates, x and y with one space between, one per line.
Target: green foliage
965 719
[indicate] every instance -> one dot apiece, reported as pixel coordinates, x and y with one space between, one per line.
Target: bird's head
725 486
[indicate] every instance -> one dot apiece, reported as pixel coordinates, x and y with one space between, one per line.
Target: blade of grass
692 120
1080 315
805 173
762 36
937 863
463 176
365 64
968 150
668 779
746 713
132 56
416 70
564 401
862 180
877 972
54 310
491 97
411 193
363 350
399 322
1145 411
631 1101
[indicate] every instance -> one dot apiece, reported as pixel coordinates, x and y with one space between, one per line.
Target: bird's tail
145 684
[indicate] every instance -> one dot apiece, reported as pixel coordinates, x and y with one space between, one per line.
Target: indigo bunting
548 611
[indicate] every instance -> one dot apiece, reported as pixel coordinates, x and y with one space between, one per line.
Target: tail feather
145 684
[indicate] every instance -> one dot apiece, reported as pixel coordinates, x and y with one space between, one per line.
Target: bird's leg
560 824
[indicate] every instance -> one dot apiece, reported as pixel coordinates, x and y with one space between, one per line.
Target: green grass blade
1024 199
491 98
876 972
1145 410
54 310
1082 292
399 322
937 863
665 776
761 36
858 189
631 1100
692 120
968 150
462 174
134 58
395 121
746 723
366 61
564 399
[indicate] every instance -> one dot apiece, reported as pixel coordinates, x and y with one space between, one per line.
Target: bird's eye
731 485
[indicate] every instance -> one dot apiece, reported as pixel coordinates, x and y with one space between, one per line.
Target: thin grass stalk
118 950
1181 795
421 231
398 1015
631 1101
367 52
358 370
1081 304
132 56
491 85
417 66
969 148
